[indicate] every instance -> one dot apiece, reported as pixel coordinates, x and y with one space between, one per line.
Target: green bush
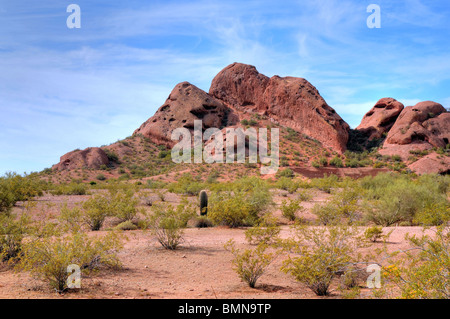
422 273
12 232
320 255
326 184
101 177
167 224
250 264
373 233
266 232
95 211
126 225
248 198
287 172
287 184
48 258
289 209
186 185
392 199
336 162
69 189
15 188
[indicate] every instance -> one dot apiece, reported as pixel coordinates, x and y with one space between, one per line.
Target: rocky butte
293 102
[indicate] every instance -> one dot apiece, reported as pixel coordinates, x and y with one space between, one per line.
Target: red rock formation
380 118
414 122
291 101
421 127
92 157
431 164
185 104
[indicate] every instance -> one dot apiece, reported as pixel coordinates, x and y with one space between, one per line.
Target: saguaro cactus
203 203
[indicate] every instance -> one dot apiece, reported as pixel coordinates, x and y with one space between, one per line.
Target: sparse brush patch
326 184
186 185
290 208
12 232
422 271
95 211
287 172
243 205
126 225
320 254
47 258
250 264
70 217
167 223
69 189
15 188
287 184
266 232
200 222
400 199
374 233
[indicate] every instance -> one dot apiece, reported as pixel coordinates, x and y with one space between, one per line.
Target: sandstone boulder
421 123
92 157
185 104
380 118
431 164
289 101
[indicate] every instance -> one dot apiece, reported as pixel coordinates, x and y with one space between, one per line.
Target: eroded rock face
380 118
290 101
431 164
426 122
418 128
186 104
92 157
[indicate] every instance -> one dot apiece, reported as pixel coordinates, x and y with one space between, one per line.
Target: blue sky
62 89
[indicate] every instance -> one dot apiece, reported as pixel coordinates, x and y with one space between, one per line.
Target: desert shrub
435 214
304 195
287 184
126 225
241 206
320 255
373 233
323 161
346 203
287 172
200 222
266 232
15 188
123 206
187 185
95 211
423 272
112 156
336 162
392 199
327 214
167 224
101 177
47 258
7 200
12 232
250 264
326 184
289 209
230 210
69 189
70 217
154 184
292 135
